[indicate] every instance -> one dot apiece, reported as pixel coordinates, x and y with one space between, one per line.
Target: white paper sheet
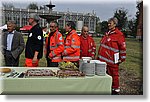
116 57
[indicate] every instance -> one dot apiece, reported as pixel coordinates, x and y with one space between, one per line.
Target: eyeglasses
85 31
52 26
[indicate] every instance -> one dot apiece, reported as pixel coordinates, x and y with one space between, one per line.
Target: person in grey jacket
12 45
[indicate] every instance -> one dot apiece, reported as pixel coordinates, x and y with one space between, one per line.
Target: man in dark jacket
12 45
34 45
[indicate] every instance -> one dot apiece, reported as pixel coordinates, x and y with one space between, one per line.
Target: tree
135 23
98 26
43 8
8 5
139 15
138 10
104 26
121 15
132 25
32 6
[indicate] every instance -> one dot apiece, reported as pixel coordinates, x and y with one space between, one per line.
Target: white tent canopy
3 27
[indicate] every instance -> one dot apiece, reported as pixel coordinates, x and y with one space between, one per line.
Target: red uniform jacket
72 47
90 50
56 46
113 42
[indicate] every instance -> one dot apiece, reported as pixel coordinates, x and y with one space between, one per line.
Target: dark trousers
10 60
51 64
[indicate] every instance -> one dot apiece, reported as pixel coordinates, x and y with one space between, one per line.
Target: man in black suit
12 45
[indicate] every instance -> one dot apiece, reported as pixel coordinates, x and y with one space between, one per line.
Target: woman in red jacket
87 44
112 50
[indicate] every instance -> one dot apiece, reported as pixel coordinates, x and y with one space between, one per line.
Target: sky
104 8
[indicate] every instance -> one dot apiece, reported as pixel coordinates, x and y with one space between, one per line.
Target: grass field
131 71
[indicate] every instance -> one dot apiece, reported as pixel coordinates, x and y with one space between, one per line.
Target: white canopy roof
3 27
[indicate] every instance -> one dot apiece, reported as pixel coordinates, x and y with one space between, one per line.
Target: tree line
126 25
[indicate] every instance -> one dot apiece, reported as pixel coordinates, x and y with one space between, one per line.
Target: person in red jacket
112 50
87 44
54 46
72 44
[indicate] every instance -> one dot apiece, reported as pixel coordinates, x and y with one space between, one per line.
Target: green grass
134 60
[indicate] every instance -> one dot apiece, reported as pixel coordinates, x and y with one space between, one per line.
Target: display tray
39 77
69 73
31 73
47 73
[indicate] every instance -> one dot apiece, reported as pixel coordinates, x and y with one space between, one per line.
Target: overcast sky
104 8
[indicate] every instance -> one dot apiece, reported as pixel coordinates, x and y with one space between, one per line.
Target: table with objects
99 85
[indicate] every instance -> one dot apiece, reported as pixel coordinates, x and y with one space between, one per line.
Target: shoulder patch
73 40
30 34
39 37
60 38
108 39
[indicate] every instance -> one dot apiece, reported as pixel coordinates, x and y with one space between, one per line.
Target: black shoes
114 92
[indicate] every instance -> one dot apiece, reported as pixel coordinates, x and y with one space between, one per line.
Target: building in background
21 16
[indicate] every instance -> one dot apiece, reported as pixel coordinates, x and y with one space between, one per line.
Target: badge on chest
108 39
30 35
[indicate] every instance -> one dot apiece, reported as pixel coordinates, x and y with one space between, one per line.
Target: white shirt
9 40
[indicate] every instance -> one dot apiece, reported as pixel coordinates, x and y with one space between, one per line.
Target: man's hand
93 57
34 60
119 61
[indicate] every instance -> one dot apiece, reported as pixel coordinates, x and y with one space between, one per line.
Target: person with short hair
54 46
12 45
87 44
112 50
34 45
72 44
